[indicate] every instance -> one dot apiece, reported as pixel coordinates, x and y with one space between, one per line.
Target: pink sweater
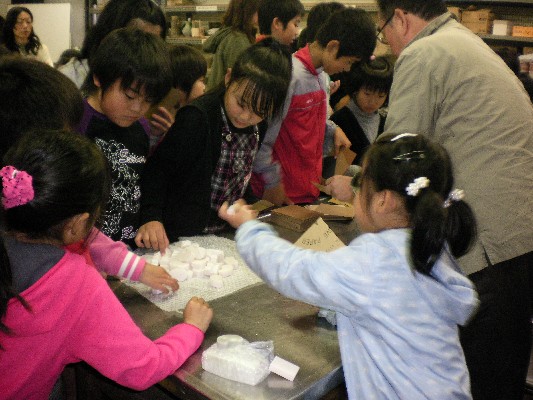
75 317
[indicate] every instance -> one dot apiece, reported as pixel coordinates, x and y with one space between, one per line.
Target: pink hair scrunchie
17 187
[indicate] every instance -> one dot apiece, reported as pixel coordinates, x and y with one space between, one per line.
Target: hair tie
17 187
419 183
453 196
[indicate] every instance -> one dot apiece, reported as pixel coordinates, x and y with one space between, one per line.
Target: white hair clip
419 183
455 195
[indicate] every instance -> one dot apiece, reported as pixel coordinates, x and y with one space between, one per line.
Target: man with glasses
449 85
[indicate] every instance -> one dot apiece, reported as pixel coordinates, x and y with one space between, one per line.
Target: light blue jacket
397 329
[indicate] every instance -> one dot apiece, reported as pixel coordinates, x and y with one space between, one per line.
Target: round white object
180 274
216 281
199 264
175 263
231 261
200 253
227 341
225 271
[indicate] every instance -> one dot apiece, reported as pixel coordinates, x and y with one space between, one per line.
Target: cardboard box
456 11
479 21
295 218
523 31
502 27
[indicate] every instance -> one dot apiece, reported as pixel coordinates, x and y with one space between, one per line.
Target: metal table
256 313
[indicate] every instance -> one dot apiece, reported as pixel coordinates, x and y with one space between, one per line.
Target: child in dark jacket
206 157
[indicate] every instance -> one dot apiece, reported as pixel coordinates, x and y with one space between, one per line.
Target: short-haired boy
280 19
290 158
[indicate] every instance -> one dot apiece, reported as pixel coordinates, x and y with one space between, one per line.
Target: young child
142 14
35 96
54 308
130 72
280 19
318 14
369 84
206 157
239 26
398 293
290 158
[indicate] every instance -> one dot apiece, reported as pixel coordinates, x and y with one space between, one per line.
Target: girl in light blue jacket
397 290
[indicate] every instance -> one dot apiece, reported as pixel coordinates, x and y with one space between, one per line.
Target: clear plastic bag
233 357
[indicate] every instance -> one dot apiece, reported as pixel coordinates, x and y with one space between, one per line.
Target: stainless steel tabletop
257 313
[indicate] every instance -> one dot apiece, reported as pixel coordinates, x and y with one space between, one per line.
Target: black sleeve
172 160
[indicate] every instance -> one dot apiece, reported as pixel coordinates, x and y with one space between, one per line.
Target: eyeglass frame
379 34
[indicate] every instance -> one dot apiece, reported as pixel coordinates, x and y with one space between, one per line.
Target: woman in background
18 36
239 27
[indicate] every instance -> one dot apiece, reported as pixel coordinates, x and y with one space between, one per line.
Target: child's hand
334 86
152 235
198 313
161 121
237 214
158 278
340 188
276 195
341 140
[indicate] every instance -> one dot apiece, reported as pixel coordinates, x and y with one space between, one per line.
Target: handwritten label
319 237
206 8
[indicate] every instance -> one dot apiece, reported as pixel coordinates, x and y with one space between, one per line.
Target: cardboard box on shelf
523 31
502 27
478 21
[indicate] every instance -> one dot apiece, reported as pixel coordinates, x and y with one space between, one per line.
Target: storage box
479 21
523 31
293 217
456 11
502 27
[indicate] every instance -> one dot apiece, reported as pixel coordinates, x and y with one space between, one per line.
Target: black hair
373 75
8 36
239 16
353 28
265 68
34 95
188 65
284 10
133 57
395 161
69 177
316 18
425 9
119 14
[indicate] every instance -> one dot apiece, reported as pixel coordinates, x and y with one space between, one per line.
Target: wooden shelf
189 8
194 41
493 2
506 40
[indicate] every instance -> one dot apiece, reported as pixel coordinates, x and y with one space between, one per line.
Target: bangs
259 98
154 88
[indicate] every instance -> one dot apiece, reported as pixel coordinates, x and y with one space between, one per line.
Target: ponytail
421 172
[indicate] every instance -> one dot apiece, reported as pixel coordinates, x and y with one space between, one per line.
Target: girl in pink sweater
55 309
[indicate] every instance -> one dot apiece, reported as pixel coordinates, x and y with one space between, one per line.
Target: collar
432 27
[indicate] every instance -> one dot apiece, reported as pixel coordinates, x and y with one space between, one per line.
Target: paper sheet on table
319 237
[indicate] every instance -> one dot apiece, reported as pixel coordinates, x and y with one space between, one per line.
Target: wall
77 18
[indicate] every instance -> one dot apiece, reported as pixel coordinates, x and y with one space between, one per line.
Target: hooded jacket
226 44
397 328
74 316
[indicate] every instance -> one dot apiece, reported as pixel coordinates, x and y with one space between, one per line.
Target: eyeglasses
379 31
